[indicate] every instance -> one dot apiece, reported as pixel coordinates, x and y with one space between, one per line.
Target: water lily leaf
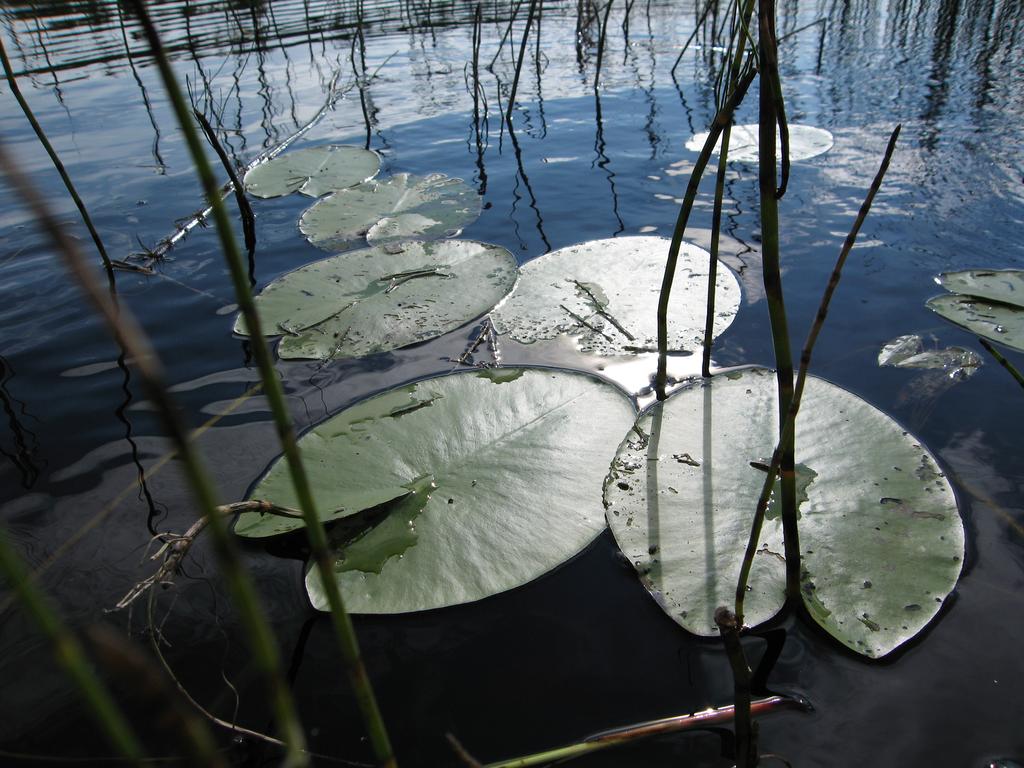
603 294
497 476
387 210
1000 285
312 172
382 298
805 142
881 536
1002 323
909 352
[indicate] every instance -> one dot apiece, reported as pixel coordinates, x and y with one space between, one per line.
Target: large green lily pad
314 172
1002 323
388 210
998 285
382 298
604 294
881 536
495 476
805 142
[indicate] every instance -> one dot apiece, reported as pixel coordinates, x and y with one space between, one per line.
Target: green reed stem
67 649
55 159
519 62
1002 361
745 728
320 551
768 118
789 422
132 339
722 119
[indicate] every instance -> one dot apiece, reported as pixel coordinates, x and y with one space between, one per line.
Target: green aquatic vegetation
316 171
382 298
882 540
1005 286
805 142
495 478
1002 323
600 293
388 210
909 352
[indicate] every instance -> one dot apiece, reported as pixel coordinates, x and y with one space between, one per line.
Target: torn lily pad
1005 286
882 539
805 142
1001 323
314 172
388 210
495 477
603 294
382 298
908 352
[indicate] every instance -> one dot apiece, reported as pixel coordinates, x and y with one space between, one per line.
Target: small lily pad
882 541
1002 323
604 293
382 298
388 210
314 172
805 142
909 352
997 285
494 476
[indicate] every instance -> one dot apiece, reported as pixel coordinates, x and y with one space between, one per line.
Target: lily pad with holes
382 298
312 172
1005 286
1002 323
881 536
908 351
495 476
604 294
805 142
393 209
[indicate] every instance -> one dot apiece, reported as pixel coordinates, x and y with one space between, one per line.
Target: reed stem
55 159
320 551
66 647
1002 361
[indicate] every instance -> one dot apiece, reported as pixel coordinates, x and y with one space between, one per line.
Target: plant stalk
320 551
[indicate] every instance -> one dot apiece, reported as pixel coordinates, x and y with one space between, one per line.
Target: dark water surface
584 648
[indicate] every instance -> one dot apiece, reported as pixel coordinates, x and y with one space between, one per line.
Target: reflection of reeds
320 552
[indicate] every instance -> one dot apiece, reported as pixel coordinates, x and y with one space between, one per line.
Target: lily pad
998 285
604 293
393 209
805 142
312 172
382 298
1002 323
881 536
496 476
909 352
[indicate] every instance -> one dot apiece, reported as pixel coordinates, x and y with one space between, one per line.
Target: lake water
584 648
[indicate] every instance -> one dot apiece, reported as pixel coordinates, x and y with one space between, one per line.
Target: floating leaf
604 294
909 352
1002 323
881 536
805 142
999 285
312 172
382 298
497 476
399 208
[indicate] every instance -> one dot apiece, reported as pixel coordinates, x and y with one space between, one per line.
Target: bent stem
722 118
69 651
789 423
319 549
